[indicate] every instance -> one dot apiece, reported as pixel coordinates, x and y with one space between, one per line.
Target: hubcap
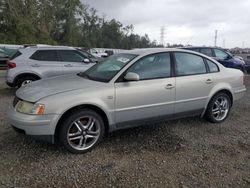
26 82
220 108
83 133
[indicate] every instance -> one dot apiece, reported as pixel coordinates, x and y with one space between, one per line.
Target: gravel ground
183 153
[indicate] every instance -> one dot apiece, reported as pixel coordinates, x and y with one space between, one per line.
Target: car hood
43 88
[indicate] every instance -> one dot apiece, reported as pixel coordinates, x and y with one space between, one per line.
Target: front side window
189 64
45 55
207 51
212 66
71 56
107 69
152 67
220 54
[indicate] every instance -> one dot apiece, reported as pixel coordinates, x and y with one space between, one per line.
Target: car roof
146 51
34 48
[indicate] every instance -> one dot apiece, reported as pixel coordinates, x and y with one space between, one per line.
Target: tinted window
71 56
220 54
45 55
207 51
212 66
188 64
153 66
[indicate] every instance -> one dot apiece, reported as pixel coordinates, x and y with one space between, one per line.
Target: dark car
222 56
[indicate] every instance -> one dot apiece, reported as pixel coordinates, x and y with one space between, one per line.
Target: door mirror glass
86 60
131 76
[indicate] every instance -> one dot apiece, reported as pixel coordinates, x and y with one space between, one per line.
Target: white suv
34 63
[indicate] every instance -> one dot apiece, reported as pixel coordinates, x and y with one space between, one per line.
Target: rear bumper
39 126
238 94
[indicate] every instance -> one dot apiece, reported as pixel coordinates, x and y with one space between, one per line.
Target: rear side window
189 64
207 51
152 67
71 56
45 55
18 53
212 66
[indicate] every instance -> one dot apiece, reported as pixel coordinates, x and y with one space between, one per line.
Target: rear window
45 55
18 53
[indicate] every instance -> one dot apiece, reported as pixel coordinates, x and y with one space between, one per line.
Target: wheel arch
224 90
78 107
25 74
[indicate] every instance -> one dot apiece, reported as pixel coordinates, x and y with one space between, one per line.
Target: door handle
209 81
68 65
35 65
169 86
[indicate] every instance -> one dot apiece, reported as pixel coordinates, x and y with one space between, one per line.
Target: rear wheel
25 80
218 108
81 131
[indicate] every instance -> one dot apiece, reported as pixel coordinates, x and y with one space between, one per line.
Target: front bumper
34 125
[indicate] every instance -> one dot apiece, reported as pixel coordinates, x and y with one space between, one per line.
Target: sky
185 21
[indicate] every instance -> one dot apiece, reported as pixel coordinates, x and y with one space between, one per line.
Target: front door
151 97
73 61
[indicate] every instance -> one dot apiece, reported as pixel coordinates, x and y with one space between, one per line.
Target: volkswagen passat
126 90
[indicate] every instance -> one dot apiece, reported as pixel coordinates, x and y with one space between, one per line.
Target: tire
28 79
81 131
217 111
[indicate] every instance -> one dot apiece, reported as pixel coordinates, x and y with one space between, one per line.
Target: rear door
46 63
193 83
73 61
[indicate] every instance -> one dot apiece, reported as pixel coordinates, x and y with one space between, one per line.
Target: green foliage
63 22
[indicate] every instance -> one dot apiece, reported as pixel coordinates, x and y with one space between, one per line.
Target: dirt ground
182 153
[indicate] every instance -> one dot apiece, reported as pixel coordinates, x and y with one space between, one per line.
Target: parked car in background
222 56
126 90
96 53
3 59
34 63
90 56
109 52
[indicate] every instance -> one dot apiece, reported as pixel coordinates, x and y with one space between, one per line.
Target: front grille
15 101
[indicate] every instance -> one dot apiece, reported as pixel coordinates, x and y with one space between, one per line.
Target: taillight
11 65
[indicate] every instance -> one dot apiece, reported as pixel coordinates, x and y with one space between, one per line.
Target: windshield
107 69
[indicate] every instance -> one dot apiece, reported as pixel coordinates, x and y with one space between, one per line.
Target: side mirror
86 60
131 76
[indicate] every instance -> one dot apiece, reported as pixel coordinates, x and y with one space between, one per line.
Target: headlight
29 108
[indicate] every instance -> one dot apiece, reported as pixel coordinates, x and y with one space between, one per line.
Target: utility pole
243 44
215 37
224 43
162 35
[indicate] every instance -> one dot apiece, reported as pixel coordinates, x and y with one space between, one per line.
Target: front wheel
82 131
218 108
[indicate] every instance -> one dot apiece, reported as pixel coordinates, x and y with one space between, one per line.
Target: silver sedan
126 90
